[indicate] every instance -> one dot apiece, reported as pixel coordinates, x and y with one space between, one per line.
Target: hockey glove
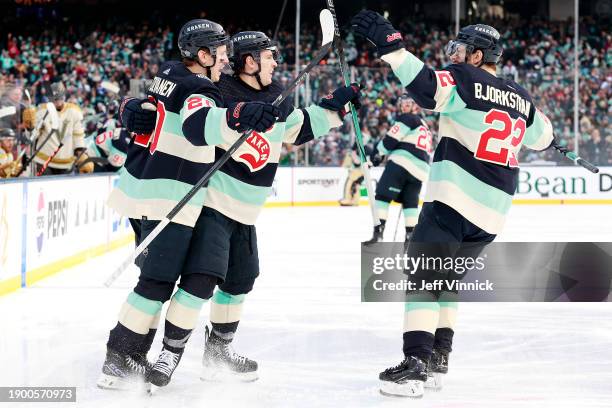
337 100
376 158
258 116
378 30
138 115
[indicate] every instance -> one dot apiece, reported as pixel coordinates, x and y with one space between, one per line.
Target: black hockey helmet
198 34
250 43
477 37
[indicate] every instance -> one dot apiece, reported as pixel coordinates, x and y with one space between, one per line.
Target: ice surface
316 343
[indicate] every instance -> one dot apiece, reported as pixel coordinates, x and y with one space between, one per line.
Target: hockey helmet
477 37
250 43
200 33
57 91
7 133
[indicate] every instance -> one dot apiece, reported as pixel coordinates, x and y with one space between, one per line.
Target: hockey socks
225 313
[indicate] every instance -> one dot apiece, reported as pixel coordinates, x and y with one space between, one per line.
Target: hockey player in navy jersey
484 121
174 148
238 191
408 147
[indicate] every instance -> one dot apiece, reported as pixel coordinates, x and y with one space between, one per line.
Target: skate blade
111 382
434 381
216 374
410 389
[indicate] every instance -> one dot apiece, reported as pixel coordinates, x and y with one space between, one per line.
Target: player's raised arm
539 132
304 125
434 90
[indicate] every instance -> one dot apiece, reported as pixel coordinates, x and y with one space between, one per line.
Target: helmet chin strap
256 73
207 70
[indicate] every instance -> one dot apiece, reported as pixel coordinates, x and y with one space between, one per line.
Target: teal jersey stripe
382 149
188 300
239 190
409 69
535 132
381 204
415 160
148 306
452 305
173 124
215 118
411 306
469 119
223 298
318 120
410 212
164 189
479 191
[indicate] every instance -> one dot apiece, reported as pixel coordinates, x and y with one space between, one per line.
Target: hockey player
235 195
70 135
408 146
108 150
9 166
352 185
483 123
161 168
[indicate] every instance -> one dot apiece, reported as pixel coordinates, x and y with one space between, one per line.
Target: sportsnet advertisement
11 209
324 185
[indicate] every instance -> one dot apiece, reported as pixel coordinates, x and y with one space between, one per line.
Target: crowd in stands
538 54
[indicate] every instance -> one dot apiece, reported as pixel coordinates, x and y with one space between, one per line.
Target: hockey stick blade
216 165
327 26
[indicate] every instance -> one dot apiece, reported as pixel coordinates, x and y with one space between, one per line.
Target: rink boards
52 223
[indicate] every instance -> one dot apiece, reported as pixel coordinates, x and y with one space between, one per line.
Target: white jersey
70 132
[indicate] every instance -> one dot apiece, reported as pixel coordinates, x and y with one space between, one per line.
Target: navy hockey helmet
250 43
477 37
198 34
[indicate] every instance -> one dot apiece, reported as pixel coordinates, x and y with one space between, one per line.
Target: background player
484 122
408 146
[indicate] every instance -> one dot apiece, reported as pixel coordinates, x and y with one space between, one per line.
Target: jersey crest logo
257 152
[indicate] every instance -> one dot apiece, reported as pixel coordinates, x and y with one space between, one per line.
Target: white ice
316 343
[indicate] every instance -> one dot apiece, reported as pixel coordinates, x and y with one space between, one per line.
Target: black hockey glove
337 100
258 116
376 158
378 30
137 115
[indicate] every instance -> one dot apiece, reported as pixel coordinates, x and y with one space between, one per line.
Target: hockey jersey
162 167
484 121
408 144
111 145
71 133
240 188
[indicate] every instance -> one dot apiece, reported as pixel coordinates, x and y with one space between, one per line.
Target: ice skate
404 380
222 363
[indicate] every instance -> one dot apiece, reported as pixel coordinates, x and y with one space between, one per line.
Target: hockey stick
400 217
575 158
328 32
365 168
57 149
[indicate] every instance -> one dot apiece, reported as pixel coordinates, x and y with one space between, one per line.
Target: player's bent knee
199 284
154 289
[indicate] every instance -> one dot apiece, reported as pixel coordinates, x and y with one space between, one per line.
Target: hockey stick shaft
216 165
57 149
365 168
29 159
576 159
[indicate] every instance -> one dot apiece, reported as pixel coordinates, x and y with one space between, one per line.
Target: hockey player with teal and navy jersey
237 192
174 148
484 121
408 147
